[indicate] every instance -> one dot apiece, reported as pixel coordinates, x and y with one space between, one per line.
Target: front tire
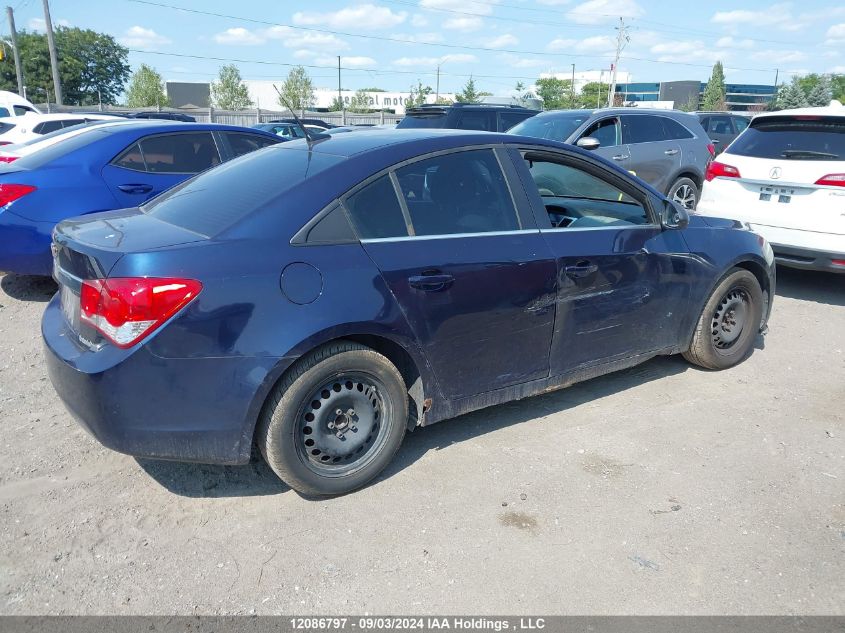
335 420
729 323
685 192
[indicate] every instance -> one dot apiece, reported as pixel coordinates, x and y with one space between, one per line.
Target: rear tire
335 420
729 323
686 192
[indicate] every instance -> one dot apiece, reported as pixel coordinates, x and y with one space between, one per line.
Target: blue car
321 300
110 166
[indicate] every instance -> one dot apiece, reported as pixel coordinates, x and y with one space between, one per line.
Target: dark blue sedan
109 166
319 301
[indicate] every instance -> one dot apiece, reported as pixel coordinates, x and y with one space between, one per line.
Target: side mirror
675 216
588 142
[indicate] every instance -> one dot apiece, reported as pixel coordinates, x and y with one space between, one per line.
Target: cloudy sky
392 43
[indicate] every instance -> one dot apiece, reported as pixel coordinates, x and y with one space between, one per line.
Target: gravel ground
659 490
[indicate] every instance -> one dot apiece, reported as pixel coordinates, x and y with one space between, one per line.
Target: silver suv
667 148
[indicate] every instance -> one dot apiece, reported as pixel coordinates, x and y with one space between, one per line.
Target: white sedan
22 129
784 176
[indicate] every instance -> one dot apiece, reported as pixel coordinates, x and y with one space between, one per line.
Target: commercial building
738 96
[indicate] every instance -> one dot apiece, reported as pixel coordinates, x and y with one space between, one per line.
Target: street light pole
14 34
572 89
54 57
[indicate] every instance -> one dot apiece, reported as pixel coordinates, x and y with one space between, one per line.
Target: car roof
163 125
834 109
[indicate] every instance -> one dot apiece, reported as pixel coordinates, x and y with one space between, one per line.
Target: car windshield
793 138
214 200
556 128
424 120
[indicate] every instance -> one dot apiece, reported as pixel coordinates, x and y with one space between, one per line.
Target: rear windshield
214 200
56 150
435 119
793 138
556 128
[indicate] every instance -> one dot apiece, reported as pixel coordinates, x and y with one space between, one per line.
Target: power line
422 43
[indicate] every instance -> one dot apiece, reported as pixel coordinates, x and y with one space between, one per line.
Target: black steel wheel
335 420
729 323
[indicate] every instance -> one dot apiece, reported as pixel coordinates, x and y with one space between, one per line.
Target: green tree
88 62
418 95
790 96
691 104
337 105
297 91
373 89
821 93
714 92
555 93
837 85
469 94
593 95
360 101
229 91
146 89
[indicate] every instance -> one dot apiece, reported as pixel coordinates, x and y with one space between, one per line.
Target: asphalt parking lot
659 490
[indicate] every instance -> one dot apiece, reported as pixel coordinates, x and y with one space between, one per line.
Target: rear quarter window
793 138
213 201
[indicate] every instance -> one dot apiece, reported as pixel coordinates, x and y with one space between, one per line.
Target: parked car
390 279
11 153
109 166
22 129
722 127
288 131
164 116
466 116
666 148
785 177
12 104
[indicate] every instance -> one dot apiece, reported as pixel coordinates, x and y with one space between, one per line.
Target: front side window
575 198
643 128
606 132
181 153
242 143
462 192
719 125
740 123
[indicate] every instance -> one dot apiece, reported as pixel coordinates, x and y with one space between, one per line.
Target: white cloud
348 62
731 42
38 24
294 38
598 11
553 3
782 56
837 70
431 38
419 20
478 8
362 16
503 41
689 50
304 53
139 37
434 61
597 43
560 44
835 35
778 16
238 36
515 61
463 24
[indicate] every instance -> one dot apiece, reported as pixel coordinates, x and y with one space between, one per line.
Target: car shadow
28 287
256 478
810 285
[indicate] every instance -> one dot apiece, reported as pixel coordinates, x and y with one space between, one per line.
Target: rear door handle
580 270
621 157
135 188
431 283
671 152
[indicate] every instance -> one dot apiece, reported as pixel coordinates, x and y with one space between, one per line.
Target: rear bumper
25 245
134 402
808 259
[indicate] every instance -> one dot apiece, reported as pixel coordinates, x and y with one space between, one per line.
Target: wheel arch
685 172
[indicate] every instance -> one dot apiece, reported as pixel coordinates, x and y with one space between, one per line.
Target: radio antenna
309 138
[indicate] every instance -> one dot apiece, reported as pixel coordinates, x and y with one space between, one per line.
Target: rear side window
793 138
642 129
47 127
462 192
71 122
485 121
242 143
675 130
213 201
719 125
188 153
434 120
376 212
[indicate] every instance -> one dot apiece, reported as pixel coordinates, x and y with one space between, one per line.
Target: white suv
785 177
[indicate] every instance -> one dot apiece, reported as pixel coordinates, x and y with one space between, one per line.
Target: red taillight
832 180
10 193
716 169
8 159
711 148
838 262
127 309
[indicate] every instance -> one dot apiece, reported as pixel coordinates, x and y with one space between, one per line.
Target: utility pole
54 58
340 95
14 33
572 89
621 39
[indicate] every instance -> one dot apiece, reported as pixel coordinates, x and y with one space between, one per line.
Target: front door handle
671 152
621 157
135 188
431 283
580 270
